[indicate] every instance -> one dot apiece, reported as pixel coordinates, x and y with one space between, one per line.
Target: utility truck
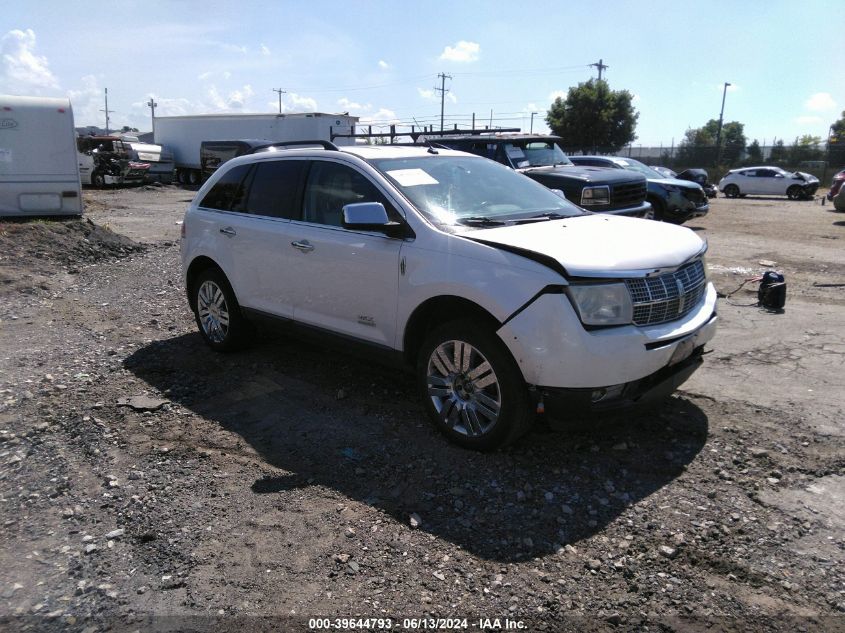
183 135
38 159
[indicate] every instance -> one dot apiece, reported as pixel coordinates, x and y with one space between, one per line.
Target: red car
836 184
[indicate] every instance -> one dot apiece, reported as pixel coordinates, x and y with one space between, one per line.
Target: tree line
593 118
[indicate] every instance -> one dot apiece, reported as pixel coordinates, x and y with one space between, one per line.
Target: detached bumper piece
567 403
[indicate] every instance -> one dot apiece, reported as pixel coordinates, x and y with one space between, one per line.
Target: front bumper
554 350
641 210
564 403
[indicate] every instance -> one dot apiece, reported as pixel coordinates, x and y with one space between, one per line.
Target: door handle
303 246
229 231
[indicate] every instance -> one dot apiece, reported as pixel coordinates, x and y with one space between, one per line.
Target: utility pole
601 66
152 105
532 122
281 92
442 90
719 131
107 111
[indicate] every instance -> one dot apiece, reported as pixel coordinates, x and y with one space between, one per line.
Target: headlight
602 304
592 196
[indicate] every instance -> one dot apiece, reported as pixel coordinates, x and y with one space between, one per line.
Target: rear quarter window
227 194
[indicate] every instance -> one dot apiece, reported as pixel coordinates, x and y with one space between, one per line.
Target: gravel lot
148 483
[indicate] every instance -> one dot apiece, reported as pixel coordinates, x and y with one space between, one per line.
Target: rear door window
227 194
274 189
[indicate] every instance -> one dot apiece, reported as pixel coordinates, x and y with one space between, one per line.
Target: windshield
534 153
635 165
471 190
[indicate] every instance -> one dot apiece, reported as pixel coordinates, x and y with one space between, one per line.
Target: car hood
807 177
597 245
587 174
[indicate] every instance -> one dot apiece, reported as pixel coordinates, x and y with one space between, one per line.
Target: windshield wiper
479 220
540 217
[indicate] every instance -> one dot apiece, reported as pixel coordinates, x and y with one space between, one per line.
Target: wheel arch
436 311
196 267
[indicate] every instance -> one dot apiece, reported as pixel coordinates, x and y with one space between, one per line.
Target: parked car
502 297
541 158
673 200
771 181
665 171
839 199
701 177
836 184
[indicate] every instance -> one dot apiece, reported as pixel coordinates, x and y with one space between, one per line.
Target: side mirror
370 216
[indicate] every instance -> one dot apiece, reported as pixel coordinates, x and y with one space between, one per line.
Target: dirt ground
147 483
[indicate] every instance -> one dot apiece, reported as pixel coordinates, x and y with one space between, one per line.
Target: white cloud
808 120
820 102
346 105
22 70
87 102
382 115
451 98
463 51
235 100
300 103
383 64
426 94
227 74
557 93
205 75
265 51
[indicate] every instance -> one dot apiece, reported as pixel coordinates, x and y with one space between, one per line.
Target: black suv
540 157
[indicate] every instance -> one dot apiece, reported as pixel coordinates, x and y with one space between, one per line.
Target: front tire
731 191
795 192
98 180
472 389
217 312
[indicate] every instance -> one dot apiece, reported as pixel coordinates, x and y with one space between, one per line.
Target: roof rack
328 145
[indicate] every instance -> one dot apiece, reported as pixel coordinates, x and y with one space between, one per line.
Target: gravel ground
147 483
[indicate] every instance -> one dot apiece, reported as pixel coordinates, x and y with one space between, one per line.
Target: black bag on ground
772 292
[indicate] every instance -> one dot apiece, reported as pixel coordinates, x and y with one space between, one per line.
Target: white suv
502 297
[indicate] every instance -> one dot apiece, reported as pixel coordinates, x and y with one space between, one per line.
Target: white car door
772 182
254 205
344 281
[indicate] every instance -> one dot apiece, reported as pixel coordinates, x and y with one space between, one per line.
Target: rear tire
472 389
217 312
731 191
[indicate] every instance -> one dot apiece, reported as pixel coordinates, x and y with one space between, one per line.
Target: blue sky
379 60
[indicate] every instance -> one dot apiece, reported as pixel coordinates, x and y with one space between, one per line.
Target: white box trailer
183 135
39 172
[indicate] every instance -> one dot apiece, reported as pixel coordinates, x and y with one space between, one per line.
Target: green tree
699 145
836 142
755 154
806 147
594 117
778 154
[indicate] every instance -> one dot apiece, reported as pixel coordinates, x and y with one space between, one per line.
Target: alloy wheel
213 311
463 388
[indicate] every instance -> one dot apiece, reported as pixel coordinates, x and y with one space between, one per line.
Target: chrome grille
667 297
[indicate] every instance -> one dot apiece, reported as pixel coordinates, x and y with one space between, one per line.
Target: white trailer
39 174
183 135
